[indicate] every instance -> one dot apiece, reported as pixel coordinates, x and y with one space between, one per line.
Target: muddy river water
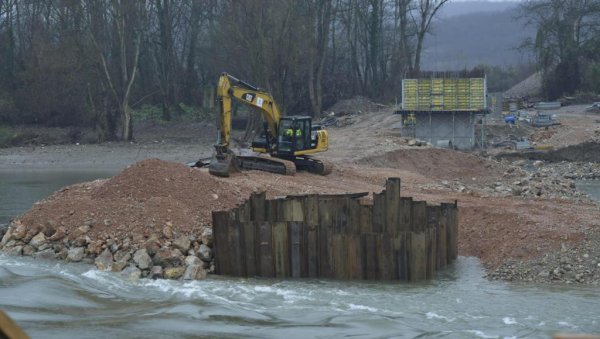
58 300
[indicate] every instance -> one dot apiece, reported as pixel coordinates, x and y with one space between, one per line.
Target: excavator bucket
223 165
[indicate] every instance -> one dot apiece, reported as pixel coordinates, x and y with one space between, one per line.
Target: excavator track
314 165
267 164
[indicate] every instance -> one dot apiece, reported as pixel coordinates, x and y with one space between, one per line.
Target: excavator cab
294 135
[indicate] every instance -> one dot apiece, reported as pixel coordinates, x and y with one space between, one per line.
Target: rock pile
152 220
570 265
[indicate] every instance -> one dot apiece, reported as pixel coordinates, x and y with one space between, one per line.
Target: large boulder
104 261
38 240
182 243
131 273
59 234
18 231
14 251
47 254
76 254
192 260
7 237
142 259
194 272
167 257
207 236
205 253
173 272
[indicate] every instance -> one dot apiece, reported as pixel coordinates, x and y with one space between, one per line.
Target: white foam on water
475 316
289 296
354 307
187 289
509 321
481 334
566 324
433 315
267 289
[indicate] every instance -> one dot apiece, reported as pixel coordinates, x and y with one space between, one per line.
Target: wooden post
257 202
392 206
311 209
385 260
220 220
442 239
339 250
419 216
378 221
453 227
405 214
400 252
417 257
296 247
433 219
265 250
280 249
325 237
365 219
250 248
236 245
369 256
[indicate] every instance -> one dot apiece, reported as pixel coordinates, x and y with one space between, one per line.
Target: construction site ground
544 237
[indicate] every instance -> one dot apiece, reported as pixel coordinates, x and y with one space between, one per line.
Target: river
59 300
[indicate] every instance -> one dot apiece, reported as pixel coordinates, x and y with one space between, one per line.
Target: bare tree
122 12
321 14
425 12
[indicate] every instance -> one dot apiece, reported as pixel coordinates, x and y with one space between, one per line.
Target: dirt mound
142 199
437 163
354 105
531 86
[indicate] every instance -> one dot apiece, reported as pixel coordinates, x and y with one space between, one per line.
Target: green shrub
148 112
7 136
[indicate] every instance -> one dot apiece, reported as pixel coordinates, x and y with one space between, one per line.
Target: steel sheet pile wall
336 236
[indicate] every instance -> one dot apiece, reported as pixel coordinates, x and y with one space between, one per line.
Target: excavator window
294 134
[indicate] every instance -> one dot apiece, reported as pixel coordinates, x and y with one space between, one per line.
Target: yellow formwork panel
409 100
443 94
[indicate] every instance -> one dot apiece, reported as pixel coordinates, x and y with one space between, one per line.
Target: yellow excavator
284 145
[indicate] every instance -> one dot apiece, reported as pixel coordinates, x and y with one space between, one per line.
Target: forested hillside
491 37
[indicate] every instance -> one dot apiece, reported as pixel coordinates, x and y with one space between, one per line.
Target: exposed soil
511 232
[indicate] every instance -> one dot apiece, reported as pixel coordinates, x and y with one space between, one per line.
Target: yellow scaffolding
444 94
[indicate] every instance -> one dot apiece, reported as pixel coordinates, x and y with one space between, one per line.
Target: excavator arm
232 88
229 87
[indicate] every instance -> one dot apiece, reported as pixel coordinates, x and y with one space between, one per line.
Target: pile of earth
152 219
438 163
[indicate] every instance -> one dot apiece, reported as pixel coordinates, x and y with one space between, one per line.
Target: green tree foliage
566 44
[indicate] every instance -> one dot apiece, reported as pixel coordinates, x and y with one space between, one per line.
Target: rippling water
57 300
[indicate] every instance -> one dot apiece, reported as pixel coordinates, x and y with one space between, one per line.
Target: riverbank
524 219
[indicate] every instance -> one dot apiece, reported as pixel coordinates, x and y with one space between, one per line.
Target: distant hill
476 32
455 8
